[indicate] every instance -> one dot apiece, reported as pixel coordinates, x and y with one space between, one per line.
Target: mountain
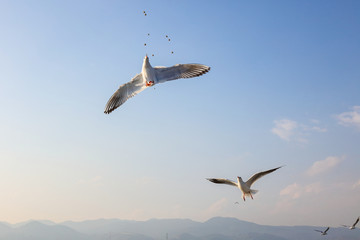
46 222
39 231
213 229
217 228
155 228
4 228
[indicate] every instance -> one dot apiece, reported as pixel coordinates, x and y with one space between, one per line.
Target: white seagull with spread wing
150 76
244 186
323 232
353 226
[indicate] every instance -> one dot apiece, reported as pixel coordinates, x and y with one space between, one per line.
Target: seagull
353 226
244 186
323 232
151 76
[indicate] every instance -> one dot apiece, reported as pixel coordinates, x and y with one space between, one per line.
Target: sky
283 90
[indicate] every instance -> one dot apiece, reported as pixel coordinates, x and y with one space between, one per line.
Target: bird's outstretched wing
327 230
125 91
256 176
222 181
357 220
177 71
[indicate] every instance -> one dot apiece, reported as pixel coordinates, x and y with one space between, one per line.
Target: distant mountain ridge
217 228
39 231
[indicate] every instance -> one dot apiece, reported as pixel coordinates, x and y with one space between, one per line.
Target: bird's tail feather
253 191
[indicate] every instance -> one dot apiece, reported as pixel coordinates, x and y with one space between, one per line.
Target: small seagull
244 186
145 14
172 52
353 226
323 232
148 34
166 36
152 55
150 76
144 44
169 39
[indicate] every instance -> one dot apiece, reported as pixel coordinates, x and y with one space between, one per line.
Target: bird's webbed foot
150 83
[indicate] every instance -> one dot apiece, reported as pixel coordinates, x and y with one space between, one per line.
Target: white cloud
318 129
293 190
324 165
313 188
217 206
357 184
350 118
315 121
317 198
284 128
93 181
143 181
291 130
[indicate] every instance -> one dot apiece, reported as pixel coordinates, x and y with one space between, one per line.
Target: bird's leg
251 196
244 197
150 83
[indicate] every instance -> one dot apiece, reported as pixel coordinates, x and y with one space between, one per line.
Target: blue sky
283 90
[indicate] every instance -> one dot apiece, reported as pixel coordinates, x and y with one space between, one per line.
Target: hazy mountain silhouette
217 228
46 222
39 231
4 229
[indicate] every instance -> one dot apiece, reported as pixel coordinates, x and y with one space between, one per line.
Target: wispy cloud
357 184
295 190
292 190
143 181
318 129
324 165
217 206
95 181
350 118
284 128
289 130
313 188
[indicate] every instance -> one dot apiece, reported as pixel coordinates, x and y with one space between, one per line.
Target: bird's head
239 179
146 62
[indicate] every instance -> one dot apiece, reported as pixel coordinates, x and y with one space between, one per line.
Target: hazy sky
283 90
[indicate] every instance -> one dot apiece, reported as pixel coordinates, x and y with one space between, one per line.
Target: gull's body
245 187
353 226
150 76
323 232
